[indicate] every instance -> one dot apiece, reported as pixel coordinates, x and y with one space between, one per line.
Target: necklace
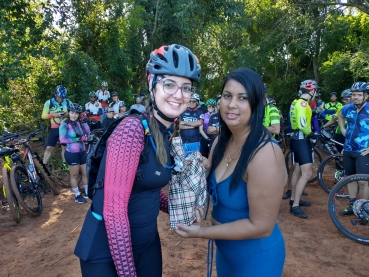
229 158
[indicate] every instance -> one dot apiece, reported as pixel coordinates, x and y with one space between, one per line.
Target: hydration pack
95 156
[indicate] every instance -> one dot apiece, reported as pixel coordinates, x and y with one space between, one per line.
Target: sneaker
4 203
287 194
64 167
302 203
85 196
47 191
80 199
296 211
304 193
348 211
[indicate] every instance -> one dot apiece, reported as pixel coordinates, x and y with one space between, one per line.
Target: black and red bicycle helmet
174 59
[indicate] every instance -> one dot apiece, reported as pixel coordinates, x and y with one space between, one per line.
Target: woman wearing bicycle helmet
122 109
211 105
74 133
120 235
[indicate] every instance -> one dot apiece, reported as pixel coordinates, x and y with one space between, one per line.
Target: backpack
51 103
95 156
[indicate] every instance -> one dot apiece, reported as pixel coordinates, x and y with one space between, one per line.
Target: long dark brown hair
258 136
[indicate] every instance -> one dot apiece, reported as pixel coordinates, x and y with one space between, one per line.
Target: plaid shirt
187 187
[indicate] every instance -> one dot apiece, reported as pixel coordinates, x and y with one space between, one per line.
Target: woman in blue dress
246 179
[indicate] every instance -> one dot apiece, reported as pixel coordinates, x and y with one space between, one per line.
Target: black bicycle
6 152
324 145
28 177
331 169
355 226
316 162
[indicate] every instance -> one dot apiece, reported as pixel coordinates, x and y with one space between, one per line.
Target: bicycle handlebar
6 139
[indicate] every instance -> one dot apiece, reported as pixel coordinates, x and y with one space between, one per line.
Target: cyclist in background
94 109
74 133
122 110
115 103
138 106
55 109
346 99
333 105
301 144
213 125
103 96
108 119
356 147
205 136
190 122
272 118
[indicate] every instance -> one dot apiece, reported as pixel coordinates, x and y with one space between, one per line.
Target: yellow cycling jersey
300 116
52 106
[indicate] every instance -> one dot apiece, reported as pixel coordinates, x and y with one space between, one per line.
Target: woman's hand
192 231
205 163
211 129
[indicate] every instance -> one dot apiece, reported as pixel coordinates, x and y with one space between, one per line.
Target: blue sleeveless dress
262 257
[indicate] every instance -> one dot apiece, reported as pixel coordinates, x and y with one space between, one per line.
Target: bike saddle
7 134
8 151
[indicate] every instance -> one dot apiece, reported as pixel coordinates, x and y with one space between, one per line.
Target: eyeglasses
171 87
210 107
110 112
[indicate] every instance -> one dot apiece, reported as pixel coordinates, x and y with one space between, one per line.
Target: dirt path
43 246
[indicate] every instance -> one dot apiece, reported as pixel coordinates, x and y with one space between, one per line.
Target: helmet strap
163 116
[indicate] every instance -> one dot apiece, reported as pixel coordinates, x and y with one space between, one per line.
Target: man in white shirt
94 110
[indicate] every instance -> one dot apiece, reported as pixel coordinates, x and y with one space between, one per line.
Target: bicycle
316 162
28 176
356 229
7 153
322 144
332 164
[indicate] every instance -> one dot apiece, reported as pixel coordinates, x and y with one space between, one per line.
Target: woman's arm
164 202
210 158
123 154
266 177
201 129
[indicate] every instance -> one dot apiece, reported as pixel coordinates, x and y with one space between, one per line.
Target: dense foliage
81 43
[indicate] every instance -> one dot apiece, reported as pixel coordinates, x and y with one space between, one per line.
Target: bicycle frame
31 167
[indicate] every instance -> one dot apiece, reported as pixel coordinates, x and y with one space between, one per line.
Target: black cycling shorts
355 163
75 158
302 151
53 137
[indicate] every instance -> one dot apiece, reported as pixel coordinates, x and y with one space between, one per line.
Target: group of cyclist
352 131
71 125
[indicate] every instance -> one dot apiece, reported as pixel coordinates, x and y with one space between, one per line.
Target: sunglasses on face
211 107
191 101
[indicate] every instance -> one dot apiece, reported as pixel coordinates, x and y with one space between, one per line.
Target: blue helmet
74 107
360 86
61 91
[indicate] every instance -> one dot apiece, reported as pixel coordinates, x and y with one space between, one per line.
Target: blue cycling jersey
357 131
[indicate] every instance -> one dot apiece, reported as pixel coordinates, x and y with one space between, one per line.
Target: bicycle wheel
26 192
338 200
317 162
44 178
12 200
327 172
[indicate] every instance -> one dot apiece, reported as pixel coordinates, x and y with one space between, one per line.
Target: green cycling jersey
300 116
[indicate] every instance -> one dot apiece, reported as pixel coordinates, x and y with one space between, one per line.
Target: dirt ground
43 246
